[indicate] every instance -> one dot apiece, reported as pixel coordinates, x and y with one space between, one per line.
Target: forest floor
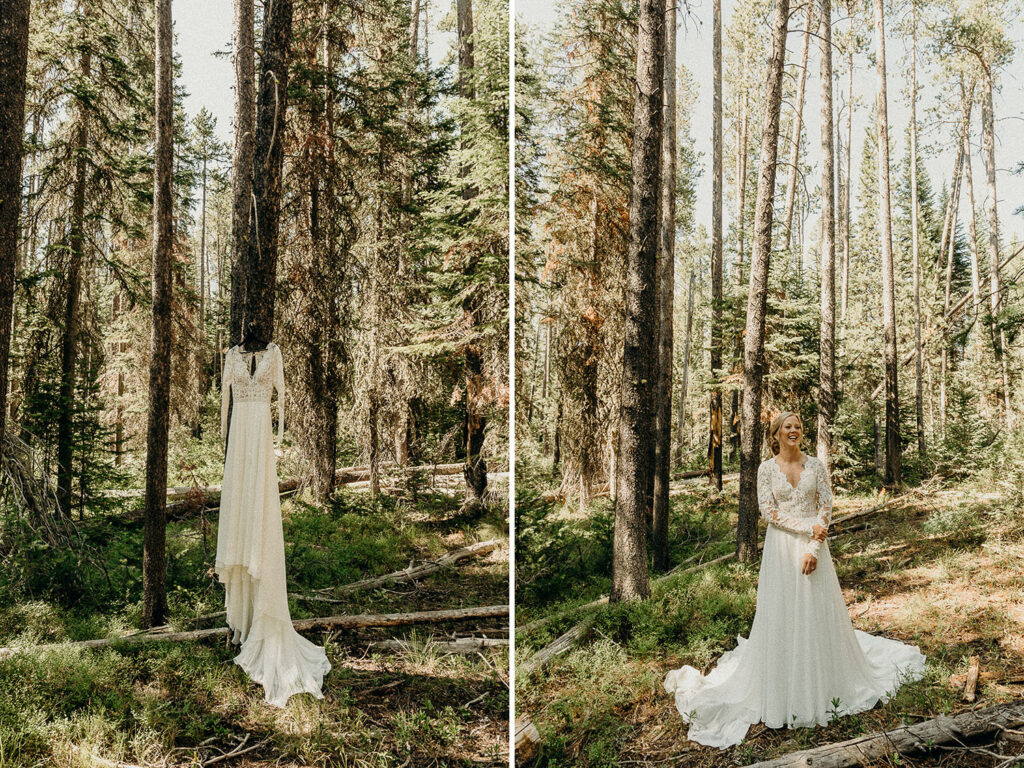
186 703
944 571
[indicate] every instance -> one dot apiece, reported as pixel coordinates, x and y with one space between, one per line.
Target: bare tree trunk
666 289
629 558
69 337
847 213
794 136
14 15
715 426
242 161
827 354
476 419
154 558
893 457
915 236
681 428
973 229
268 161
954 207
988 146
757 302
735 417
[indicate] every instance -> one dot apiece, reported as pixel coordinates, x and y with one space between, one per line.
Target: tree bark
268 160
893 457
794 136
666 289
715 414
629 558
242 161
69 337
915 237
757 302
954 209
14 15
827 351
847 215
686 371
988 146
154 562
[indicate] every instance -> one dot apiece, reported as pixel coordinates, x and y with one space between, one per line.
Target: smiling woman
804 663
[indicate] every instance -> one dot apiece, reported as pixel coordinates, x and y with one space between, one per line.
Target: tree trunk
14 16
629 557
666 290
242 161
794 136
476 419
268 159
715 425
847 213
973 233
893 458
915 237
954 209
757 302
69 337
680 444
988 146
827 354
154 562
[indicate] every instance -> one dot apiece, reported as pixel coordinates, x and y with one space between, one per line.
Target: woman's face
791 431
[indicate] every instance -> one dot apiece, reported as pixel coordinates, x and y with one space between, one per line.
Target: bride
804 663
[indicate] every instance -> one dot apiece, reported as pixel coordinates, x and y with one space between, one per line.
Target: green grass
942 573
185 702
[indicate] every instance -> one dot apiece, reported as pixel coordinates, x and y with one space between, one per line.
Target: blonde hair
776 425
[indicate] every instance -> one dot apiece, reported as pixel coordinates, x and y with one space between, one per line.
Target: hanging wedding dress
250 541
803 651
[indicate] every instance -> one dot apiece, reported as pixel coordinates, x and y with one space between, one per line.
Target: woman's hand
810 563
820 533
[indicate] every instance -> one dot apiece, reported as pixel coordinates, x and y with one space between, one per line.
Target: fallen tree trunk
905 740
458 646
342 475
325 622
407 574
204 498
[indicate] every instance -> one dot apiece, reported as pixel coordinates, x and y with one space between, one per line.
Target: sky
694 50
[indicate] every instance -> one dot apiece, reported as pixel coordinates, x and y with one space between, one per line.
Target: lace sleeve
225 388
279 386
770 510
824 503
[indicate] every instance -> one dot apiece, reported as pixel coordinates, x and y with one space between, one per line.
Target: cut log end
527 741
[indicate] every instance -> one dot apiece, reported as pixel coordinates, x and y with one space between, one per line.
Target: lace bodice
797 509
257 387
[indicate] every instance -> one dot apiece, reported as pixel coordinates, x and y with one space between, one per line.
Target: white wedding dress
803 651
250 540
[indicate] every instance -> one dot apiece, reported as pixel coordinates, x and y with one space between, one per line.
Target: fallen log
527 741
458 646
549 651
341 475
907 739
407 574
359 621
197 499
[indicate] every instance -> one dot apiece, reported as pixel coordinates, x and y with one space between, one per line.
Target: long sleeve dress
250 541
803 651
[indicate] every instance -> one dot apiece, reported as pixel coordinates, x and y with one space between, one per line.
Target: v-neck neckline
252 376
803 466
